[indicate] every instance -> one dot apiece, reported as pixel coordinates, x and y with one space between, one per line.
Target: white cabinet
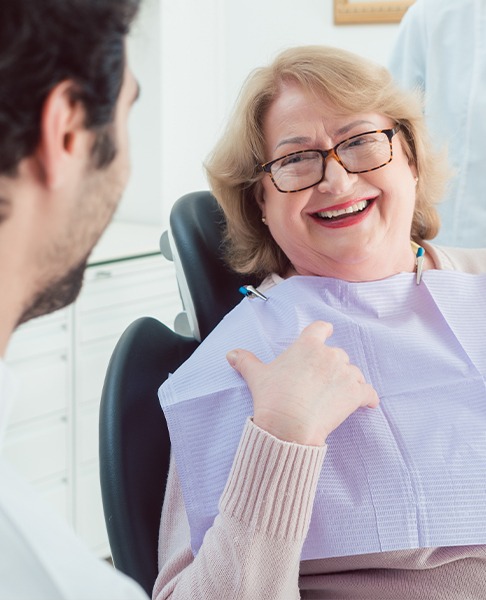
41 424
60 361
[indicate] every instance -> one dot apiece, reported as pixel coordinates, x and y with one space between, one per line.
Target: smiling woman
320 228
303 102
328 184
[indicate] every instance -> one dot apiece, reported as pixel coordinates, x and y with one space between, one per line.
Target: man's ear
63 135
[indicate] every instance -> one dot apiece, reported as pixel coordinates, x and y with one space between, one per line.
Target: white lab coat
40 557
441 48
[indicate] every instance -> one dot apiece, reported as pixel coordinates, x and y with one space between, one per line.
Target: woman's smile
345 215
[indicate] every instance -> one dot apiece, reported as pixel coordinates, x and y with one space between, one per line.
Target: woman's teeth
329 214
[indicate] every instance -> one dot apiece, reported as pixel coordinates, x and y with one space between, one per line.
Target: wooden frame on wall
347 12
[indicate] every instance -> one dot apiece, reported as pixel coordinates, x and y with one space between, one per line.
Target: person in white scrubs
440 49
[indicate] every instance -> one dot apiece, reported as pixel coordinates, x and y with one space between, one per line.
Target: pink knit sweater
253 548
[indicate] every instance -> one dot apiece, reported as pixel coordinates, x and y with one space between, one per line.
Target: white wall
191 57
256 31
143 197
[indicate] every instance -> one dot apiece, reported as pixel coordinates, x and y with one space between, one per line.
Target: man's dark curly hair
44 42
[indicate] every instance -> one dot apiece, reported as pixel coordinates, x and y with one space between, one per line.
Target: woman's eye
363 140
298 159
292 160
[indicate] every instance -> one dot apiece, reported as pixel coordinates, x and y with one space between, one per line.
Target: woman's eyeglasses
360 153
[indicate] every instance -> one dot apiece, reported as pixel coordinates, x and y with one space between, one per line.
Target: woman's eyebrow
293 140
341 131
349 126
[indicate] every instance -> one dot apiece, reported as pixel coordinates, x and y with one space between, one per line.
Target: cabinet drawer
44 387
56 494
87 435
90 522
91 367
40 336
40 451
127 282
106 324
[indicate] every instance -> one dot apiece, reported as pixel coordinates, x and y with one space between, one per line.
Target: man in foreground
65 97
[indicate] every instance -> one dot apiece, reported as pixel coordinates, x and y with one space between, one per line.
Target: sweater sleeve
253 548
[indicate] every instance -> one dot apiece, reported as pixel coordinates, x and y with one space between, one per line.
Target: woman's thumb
242 361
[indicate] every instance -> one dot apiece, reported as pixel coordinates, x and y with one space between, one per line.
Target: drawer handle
103 275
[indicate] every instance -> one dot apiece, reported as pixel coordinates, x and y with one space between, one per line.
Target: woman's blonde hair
353 84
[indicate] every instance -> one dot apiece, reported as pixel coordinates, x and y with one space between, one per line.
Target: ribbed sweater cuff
272 484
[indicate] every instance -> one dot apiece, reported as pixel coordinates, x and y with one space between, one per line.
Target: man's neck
12 300
8 317
16 259
5 335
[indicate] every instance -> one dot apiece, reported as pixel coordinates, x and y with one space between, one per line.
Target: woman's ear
260 196
260 200
413 168
64 138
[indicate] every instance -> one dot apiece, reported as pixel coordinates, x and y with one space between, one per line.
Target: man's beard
57 295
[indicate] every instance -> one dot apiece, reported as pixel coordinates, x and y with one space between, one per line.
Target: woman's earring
416 180
264 220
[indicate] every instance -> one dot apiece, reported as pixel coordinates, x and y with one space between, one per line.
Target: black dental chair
134 444
209 289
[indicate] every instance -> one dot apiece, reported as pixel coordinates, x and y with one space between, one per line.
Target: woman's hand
307 391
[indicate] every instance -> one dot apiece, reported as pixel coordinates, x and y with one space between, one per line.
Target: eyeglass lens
358 154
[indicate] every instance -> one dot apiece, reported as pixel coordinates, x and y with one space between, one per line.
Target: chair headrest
209 288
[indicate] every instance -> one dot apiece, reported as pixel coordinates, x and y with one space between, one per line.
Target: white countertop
126 240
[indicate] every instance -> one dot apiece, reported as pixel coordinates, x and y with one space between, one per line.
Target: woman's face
363 245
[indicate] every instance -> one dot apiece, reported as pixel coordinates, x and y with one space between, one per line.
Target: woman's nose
336 179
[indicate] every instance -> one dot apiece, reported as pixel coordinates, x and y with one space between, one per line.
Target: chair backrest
134 443
209 288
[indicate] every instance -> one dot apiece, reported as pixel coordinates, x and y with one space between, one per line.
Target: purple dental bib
409 474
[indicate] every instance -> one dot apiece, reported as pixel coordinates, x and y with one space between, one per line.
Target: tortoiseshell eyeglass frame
332 152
